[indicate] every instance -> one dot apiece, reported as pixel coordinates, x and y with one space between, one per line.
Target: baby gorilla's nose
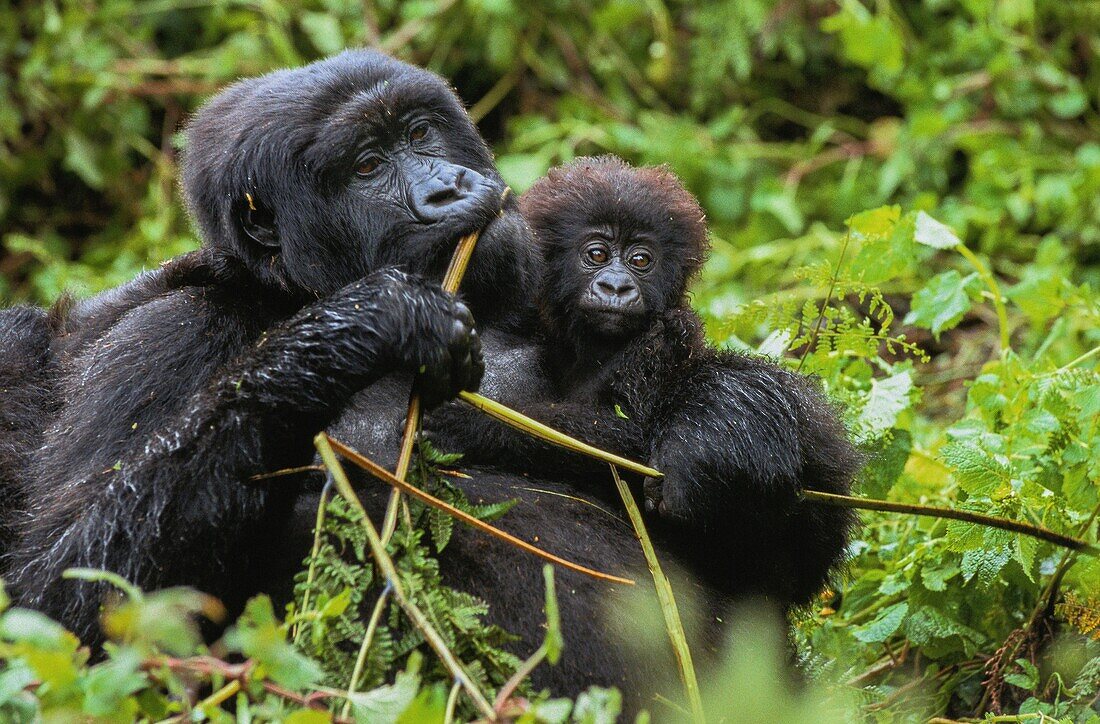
617 288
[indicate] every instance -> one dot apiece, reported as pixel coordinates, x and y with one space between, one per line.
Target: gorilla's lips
612 321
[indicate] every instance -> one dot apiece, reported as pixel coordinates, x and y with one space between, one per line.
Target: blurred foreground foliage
905 201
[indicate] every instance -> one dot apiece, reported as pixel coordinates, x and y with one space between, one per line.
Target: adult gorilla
311 189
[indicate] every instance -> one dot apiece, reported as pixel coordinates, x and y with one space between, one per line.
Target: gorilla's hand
333 348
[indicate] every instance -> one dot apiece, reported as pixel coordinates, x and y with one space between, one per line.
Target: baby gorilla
621 363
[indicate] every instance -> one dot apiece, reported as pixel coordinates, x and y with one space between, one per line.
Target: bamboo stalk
452 278
673 624
1035 531
389 572
521 422
387 477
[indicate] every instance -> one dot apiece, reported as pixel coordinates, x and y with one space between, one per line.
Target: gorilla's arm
178 404
739 441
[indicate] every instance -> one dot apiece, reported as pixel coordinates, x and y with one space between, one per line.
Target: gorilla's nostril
443 196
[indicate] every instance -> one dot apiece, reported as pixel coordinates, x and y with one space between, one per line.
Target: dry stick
389 572
671 613
387 477
451 279
1035 531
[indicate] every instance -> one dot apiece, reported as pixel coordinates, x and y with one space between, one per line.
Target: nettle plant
939 614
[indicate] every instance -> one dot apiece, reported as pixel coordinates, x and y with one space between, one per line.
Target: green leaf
943 301
979 472
108 685
932 233
258 635
884 625
386 704
874 224
888 398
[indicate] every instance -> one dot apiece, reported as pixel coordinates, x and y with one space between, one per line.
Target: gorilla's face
322 174
620 244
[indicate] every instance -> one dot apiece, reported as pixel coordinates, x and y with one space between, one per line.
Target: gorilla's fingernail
650 506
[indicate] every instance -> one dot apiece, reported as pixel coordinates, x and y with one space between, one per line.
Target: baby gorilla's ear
257 222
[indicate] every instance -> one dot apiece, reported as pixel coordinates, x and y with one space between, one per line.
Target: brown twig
387 477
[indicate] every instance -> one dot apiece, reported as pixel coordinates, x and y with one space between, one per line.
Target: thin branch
389 573
1035 531
387 477
533 427
364 648
452 278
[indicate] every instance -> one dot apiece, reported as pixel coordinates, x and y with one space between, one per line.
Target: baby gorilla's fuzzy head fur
620 245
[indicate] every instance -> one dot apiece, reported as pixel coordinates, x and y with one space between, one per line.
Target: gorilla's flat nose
447 189
618 288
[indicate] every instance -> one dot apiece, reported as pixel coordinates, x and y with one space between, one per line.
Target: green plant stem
452 702
314 552
389 573
994 289
1035 531
517 678
828 298
1083 358
221 695
671 613
533 427
364 648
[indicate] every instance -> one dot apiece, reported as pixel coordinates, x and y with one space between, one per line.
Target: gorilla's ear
258 222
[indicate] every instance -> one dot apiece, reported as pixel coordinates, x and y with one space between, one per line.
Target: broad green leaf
385 704
943 301
979 472
875 224
933 233
888 398
883 625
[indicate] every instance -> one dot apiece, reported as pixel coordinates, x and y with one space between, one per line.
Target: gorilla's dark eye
597 254
368 166
418 132
641 260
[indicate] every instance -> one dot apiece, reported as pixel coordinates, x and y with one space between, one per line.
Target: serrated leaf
985 563
979 473
888 398
884 625
942 302
933 233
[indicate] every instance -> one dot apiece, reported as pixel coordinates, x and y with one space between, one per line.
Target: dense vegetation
905 200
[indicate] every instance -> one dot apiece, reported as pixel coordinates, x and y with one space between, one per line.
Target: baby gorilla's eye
368 166
596 254
418 132
641 260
